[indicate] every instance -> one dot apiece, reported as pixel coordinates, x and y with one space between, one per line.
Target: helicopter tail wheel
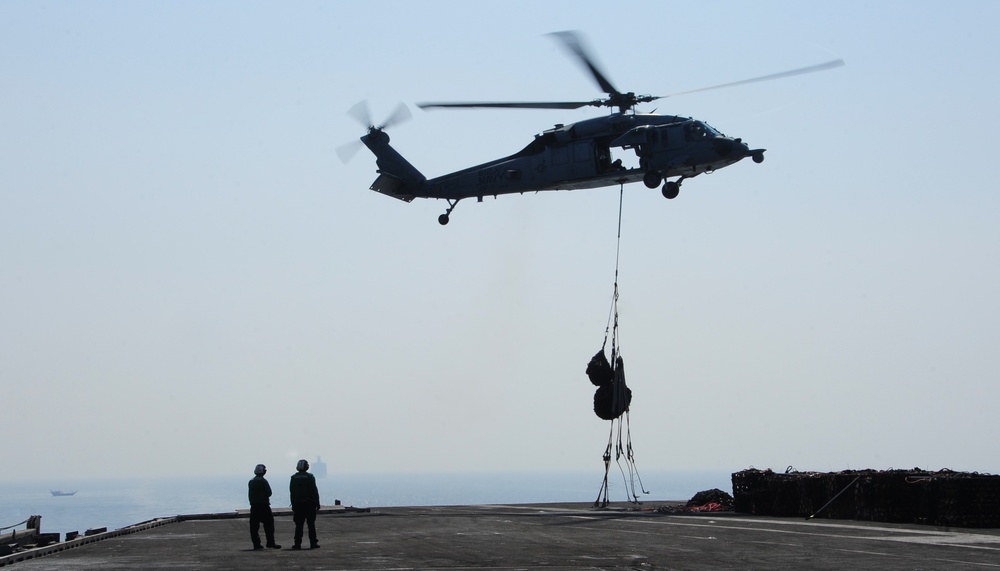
652 179
671 189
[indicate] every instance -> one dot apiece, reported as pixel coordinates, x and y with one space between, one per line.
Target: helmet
260 469
302 466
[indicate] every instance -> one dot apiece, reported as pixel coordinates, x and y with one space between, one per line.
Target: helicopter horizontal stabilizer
391 186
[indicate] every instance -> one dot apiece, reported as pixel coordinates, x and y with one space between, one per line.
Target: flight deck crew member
259 493
305 503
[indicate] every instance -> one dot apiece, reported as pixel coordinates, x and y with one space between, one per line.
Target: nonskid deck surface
541 536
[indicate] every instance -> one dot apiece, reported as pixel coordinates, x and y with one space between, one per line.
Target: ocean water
117 503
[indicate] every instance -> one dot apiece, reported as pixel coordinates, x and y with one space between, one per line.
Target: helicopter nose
727 147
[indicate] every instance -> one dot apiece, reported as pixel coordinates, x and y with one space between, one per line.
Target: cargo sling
613 397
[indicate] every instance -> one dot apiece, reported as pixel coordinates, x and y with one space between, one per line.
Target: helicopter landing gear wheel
758 157
652 179
444 218
671 189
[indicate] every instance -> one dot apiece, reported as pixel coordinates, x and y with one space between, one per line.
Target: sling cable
613 397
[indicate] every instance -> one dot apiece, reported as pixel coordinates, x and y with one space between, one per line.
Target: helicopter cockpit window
710 130
695 131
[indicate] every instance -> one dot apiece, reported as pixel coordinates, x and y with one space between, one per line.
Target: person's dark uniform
259 493
305 503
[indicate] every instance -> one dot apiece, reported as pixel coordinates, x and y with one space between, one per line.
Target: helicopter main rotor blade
573 43
623 101
507 105
809 69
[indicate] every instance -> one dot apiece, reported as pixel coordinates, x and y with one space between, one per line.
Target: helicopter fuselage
572 157
579 155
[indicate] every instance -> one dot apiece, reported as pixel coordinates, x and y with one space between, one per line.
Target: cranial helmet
260 469
302 466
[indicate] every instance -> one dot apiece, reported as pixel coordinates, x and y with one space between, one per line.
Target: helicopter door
584 159
561 162
603 156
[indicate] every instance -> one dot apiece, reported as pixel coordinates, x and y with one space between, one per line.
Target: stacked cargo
946 498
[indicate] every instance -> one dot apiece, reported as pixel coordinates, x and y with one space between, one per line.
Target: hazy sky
191 281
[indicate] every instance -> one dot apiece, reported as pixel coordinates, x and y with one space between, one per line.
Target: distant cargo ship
319 468
62 493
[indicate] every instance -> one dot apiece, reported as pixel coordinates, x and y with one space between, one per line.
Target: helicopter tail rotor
361 112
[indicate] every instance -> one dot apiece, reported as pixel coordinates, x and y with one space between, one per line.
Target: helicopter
572 156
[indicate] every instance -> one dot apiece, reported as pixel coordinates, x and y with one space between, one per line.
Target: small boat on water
62 493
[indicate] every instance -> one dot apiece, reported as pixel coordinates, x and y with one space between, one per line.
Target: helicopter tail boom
397 177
